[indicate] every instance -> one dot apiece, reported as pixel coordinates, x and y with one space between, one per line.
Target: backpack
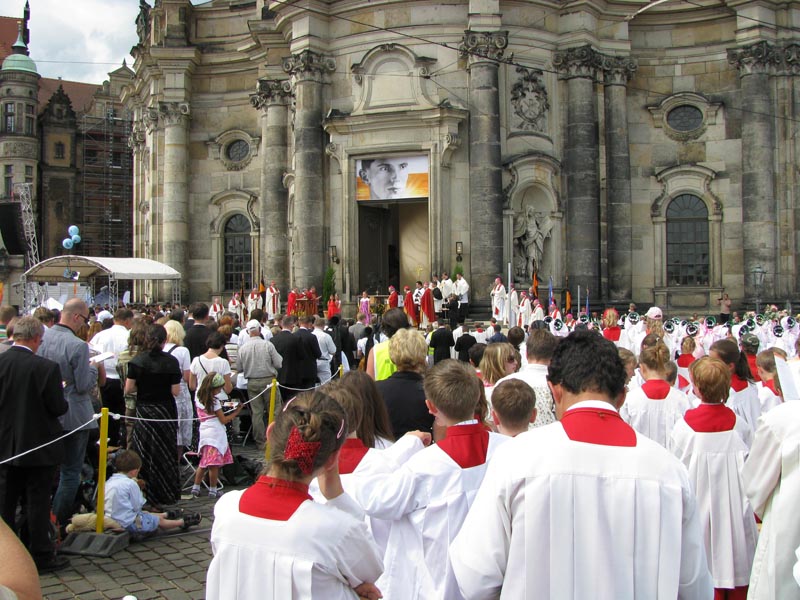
437 293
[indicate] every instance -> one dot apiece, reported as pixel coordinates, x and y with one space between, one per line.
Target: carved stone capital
791 58
761 57
477 45
618 70
271 91
174 113
308 65
583 61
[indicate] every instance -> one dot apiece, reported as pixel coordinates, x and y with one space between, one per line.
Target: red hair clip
298 449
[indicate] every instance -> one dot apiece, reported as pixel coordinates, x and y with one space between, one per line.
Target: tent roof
90 267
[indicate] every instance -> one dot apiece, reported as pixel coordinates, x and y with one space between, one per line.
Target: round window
685 118
237 150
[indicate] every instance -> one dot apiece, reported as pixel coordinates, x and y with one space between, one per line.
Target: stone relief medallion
530 101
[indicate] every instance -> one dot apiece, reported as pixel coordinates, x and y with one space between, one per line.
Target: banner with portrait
387 178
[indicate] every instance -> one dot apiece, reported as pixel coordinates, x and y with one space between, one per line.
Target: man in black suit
441 342
290 347
464 343
31 400
311 352
197 334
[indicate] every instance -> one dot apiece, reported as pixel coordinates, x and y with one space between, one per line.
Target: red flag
262 291
535 285
568 302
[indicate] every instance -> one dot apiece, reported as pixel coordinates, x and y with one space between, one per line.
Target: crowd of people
608 456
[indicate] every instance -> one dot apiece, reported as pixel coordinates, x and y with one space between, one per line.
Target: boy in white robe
712 441
771 477
428 498
584 507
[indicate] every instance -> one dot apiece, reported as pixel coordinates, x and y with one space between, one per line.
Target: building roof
80 94
9 27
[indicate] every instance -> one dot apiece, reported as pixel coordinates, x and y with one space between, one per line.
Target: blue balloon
73 230
67 243
76 239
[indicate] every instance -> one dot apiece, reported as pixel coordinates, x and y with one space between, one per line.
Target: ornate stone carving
583 61
137 137
529 100
251 211
760 57
450 143
174 113
271 91
618 70
20 149
484 44
791 58
308 65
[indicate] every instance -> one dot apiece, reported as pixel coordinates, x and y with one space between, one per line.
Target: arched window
687 241
238 253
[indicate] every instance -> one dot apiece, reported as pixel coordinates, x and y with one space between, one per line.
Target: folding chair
191 462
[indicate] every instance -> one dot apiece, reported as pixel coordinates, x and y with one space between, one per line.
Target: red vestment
409 308
291 303
426 305
393 299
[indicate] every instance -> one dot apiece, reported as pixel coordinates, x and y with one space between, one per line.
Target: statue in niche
529 100
531 229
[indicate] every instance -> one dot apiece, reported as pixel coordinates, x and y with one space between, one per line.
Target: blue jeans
70 477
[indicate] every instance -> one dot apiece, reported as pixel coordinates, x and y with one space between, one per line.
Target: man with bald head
61 345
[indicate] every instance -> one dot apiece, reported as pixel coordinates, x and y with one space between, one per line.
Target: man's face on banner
386 177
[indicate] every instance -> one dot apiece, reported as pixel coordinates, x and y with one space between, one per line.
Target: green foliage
328 285
456 270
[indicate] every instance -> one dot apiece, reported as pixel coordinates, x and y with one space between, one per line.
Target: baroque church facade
645 155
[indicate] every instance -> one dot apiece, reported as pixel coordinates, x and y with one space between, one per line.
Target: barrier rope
58 439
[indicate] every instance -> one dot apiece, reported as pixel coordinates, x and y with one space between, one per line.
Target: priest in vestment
291 301
216 309
273 305
254 300
236 306
427 313
584 507
393 298
409 307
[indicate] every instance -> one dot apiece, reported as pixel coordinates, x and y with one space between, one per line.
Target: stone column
484 50
175 206
272 99
578 66
307 69
759 206
617 72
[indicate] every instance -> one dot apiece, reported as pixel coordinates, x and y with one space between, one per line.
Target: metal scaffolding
32 297
106 200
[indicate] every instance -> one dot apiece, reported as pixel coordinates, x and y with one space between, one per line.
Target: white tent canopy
90 268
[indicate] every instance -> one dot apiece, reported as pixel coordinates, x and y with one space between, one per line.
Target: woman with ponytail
743 397
272 541
655 407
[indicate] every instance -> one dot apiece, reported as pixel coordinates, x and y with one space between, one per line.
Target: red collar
708 418
684 360
353 451
656 389
751 360
599 426
466 444
770 384
737 383
272 498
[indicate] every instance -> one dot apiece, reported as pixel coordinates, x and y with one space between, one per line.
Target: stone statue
530 232
143 21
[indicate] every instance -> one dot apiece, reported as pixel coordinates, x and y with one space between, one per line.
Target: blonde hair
711 378
655 358
408 350
175 332
493 363
610 318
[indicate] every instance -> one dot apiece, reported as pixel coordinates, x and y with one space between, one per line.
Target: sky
79 40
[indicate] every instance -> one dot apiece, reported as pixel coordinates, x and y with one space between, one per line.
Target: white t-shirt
202 366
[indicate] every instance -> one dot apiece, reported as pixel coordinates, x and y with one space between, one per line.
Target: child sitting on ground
513 407
124 500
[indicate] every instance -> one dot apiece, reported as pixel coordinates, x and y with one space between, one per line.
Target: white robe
512 307
767 398
715 461
499 303
524 313
772 482
237 308
426 500
253 303
746 404
566 519
321 551
654 418
273 305
215 311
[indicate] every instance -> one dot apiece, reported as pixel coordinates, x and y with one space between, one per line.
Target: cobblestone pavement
170 566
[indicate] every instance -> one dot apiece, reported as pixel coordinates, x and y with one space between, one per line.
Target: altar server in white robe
272 541
655 407
710 441
772 482
768 395
428 498
584 507
743 397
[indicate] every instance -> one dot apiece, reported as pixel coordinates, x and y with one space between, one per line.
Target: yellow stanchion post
101 475
272 395
341 370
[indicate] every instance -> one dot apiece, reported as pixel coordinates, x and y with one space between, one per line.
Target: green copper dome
19 60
